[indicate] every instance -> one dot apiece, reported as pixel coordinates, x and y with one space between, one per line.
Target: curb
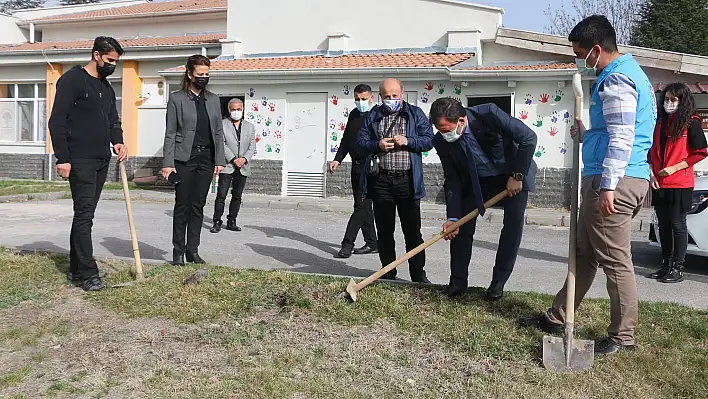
429 211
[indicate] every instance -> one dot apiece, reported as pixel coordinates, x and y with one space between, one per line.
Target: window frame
36 101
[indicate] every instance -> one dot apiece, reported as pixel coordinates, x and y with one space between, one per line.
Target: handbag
373 166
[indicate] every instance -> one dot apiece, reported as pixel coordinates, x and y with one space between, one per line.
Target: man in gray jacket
239 146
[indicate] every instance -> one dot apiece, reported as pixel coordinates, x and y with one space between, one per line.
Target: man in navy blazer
396 133
483 151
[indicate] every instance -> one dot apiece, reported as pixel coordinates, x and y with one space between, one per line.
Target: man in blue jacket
615 180
483 151
394 136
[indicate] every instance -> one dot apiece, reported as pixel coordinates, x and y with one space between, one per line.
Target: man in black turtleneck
83 125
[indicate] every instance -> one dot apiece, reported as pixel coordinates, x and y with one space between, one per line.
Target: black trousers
391 193
363 216
509 239
190 198
86 181
236 182
673 231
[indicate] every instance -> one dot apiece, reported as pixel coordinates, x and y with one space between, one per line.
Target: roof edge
38 22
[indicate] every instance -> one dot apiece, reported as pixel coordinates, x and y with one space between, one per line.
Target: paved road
305 241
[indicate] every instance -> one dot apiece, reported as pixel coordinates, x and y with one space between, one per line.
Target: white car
696 220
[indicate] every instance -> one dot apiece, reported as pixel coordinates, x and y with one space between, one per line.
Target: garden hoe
353 288
134 238
565 354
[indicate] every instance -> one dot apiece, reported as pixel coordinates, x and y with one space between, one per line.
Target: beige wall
303 25
13 74
146 27
10 33
493 52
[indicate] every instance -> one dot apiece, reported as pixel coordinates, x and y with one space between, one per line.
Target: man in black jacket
83 124
483 151
363 216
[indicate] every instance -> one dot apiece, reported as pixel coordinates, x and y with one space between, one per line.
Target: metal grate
302 184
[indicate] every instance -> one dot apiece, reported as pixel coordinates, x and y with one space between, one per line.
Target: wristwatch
518 176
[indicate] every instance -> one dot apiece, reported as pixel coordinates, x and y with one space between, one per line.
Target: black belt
394 172
201 148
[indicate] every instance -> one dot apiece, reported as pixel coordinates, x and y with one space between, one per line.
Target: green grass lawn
257 334
15 187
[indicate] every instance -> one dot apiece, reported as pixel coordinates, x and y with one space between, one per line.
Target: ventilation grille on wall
301 184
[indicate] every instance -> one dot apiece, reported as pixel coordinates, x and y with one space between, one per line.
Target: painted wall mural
542 106
546 109
265 108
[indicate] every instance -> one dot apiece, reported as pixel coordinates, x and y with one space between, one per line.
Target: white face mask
452 135
236 115
671 107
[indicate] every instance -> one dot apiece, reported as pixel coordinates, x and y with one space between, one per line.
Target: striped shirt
619 107
398 159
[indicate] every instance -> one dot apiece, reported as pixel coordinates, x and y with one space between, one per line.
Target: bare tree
621 13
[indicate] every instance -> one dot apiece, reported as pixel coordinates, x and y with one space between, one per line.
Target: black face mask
200 82
106 69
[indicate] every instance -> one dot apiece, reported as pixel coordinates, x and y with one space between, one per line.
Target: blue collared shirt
485 167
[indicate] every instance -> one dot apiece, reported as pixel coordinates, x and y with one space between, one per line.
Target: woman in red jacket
679 143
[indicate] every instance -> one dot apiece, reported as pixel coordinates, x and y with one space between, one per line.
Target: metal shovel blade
555 356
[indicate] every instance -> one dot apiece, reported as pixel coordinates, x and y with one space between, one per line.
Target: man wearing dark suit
483 151
363 216
396 134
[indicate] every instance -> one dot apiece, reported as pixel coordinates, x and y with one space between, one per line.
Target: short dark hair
362 88
106 44
447 107
595 30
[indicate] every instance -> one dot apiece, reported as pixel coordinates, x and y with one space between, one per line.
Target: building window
118 88
22 112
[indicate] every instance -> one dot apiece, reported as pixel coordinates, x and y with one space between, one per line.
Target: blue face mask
394 104
363 106
583 67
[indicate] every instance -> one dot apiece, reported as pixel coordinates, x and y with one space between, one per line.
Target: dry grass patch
255 334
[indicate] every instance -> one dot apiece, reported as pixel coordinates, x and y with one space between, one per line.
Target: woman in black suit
194 153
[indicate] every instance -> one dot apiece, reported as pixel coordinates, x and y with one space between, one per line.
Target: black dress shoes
606 346
540 322
217 226
454 291
231 225
420 278
495 292
390 275
193 257
177 258
366 249
344 253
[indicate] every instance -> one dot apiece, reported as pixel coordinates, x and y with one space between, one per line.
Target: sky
518 14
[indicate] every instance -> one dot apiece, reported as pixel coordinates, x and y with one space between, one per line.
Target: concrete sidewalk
534 216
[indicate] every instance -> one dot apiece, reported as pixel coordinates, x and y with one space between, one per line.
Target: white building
295 63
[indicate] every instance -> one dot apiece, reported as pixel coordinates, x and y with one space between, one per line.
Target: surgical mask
236 115
201 82
671 107
583 68
393 104
363 106
451 136
106 69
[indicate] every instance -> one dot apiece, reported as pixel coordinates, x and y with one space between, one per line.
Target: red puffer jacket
676 151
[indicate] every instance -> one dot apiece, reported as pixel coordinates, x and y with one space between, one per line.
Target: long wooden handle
133 236
573 240
415 251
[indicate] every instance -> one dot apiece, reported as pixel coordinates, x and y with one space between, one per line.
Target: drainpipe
31 32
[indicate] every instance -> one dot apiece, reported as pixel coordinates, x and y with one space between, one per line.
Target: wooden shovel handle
573 240
131 224
415 251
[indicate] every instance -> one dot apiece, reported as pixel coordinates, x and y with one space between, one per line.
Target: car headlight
699 202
